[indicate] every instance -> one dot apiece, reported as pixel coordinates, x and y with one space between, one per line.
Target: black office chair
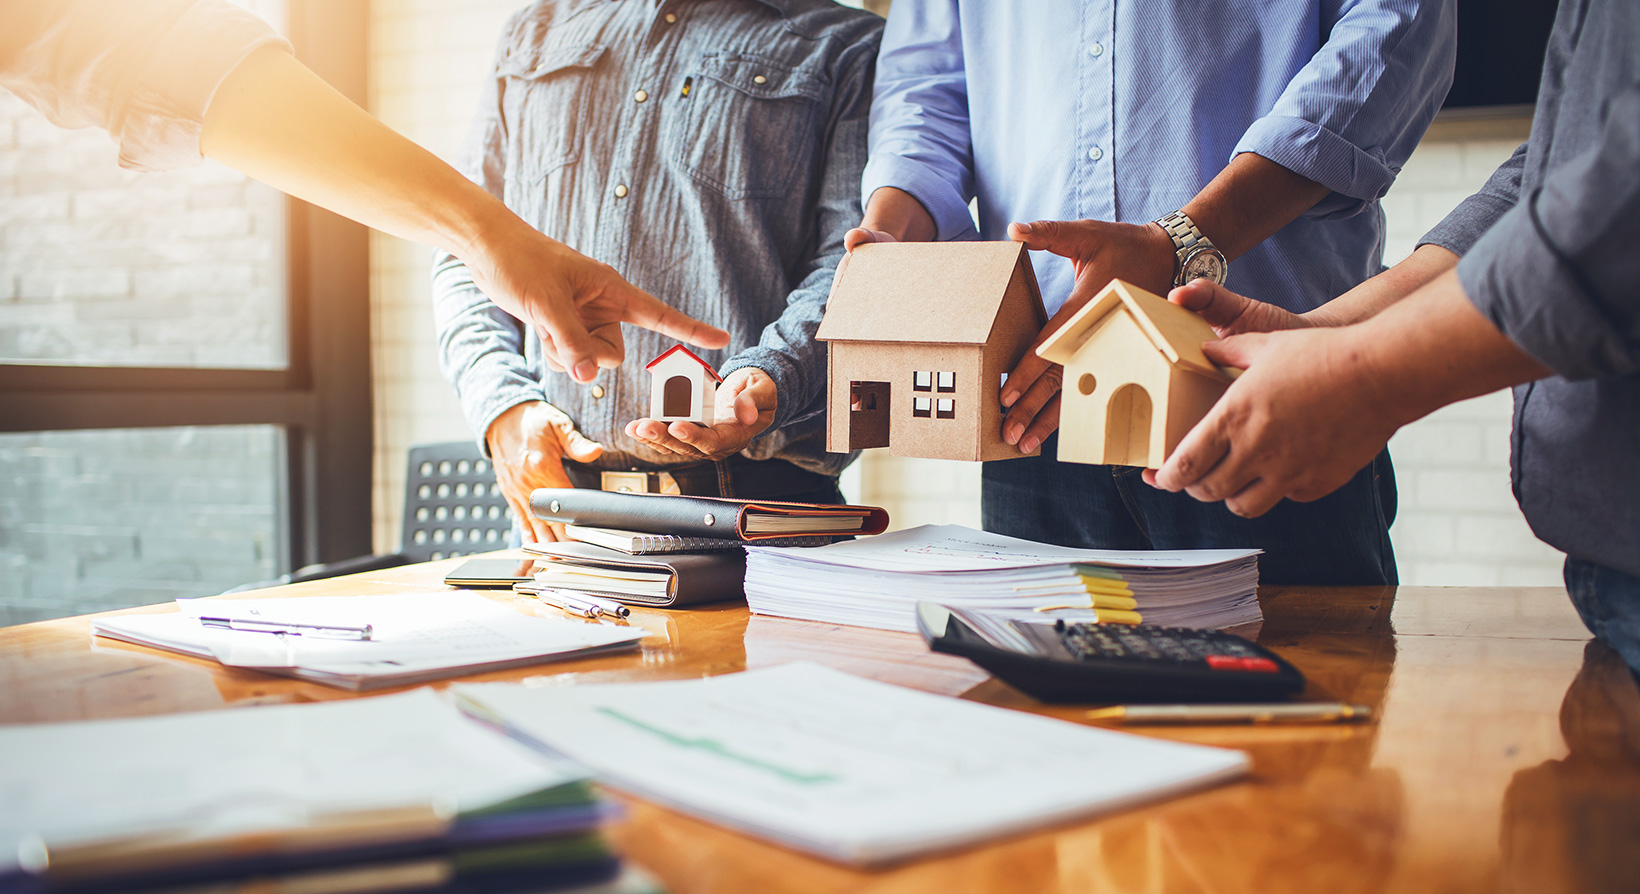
452 507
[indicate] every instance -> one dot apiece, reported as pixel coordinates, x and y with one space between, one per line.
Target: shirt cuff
788 381
161 126
507 391
1460 230
1520 282
1312 151
944 203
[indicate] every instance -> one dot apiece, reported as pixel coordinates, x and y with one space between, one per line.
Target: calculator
1059 661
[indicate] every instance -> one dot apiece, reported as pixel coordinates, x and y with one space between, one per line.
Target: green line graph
712 746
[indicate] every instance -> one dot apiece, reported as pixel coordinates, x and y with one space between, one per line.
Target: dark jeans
1609 602
1342 538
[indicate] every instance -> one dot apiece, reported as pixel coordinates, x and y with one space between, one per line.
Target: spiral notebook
638 543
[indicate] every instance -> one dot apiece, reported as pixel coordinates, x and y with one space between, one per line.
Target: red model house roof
687 353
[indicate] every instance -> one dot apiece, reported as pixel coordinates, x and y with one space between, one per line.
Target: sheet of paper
413 633
849 768
254 768
957 548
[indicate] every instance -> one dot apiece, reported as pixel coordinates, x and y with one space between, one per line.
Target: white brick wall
1458 523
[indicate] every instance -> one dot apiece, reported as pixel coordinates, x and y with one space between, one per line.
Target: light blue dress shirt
1059 109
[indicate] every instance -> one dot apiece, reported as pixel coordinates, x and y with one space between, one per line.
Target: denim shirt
711 152
1548 257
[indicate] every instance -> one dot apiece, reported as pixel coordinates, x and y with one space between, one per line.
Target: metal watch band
1186 237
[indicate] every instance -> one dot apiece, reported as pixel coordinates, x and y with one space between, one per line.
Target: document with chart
848 768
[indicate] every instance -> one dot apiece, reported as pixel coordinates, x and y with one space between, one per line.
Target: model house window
921 406
947 381
946 408
922 380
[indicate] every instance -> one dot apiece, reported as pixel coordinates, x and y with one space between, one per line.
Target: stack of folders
366 642
668 551
398 793
878 582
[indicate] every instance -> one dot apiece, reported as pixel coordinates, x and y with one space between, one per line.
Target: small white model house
682 387
1136 380
919 336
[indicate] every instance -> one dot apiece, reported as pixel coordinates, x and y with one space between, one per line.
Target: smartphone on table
497 573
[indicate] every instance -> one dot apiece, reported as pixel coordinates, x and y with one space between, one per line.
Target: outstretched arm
277 121
1317 404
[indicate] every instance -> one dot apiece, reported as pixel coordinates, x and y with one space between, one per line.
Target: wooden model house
1136 379
682 387
920 337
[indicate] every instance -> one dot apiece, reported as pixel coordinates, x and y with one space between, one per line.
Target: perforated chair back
452 505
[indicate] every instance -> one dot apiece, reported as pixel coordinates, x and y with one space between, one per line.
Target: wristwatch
1195 256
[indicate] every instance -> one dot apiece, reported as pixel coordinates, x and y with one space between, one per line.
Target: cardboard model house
682 387
920 337
1136 379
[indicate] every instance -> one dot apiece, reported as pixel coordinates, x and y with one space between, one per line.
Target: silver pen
565 599
1294 712
610 606
250 625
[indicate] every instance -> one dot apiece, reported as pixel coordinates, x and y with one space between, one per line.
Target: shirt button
598 391
1095 48
759 79
620 190
671 19
640 96
1096 153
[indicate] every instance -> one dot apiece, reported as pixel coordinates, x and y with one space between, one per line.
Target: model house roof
944 292
1176 332
687 353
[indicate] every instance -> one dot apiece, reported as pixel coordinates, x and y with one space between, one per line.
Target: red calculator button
1259 665
1224 662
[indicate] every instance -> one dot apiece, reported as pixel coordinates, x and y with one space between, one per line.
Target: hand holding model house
696 413
921 333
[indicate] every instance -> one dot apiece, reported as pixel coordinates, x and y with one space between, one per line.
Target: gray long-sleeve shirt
1549 256
711 152
144 70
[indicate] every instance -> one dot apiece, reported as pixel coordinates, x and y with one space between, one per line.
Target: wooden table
1506 753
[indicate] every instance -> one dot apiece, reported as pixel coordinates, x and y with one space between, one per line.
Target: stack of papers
878 582
414 636
851 769
398 792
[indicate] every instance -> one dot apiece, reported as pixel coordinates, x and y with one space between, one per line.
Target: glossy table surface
1505 753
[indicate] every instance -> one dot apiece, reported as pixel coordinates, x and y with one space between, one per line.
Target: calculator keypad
1167 645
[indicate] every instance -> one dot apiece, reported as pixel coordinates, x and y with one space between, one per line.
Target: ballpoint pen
610 606
1297 712
565 599
329 631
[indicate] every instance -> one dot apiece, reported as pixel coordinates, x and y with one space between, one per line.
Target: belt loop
726 485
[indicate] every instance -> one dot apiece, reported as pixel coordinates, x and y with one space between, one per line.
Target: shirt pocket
749 124
546 106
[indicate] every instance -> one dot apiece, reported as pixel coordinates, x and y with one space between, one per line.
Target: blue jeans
1608 600
1340 539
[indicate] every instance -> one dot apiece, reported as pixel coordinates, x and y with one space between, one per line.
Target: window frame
321 398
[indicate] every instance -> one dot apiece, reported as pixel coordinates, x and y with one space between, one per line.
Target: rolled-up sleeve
1355 112
144 71
919 117
1557 272
1467 223
481 347
787 349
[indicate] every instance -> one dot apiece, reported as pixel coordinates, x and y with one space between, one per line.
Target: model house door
678 398
868 404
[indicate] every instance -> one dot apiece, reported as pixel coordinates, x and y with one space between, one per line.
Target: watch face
1203 263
